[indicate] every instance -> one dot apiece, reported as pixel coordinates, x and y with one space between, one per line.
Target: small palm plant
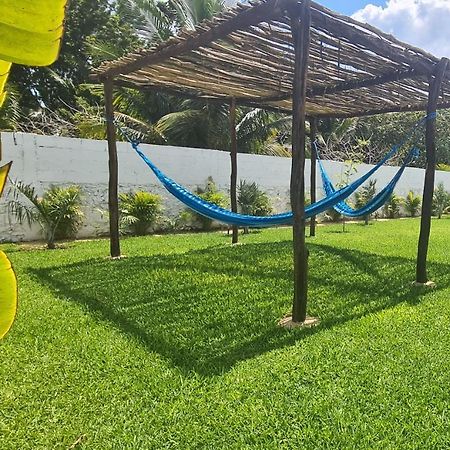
441 200
211 194
364 196
58 211
392 207
412 204
252 200
139 211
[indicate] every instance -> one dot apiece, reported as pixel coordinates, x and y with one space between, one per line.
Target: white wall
47 160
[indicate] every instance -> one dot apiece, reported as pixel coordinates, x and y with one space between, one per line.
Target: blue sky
349 6
423 23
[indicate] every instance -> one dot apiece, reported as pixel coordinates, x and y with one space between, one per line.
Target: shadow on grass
208 309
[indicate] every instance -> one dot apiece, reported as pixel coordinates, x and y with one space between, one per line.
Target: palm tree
57 212
10 112
158 20
412 203
161 118
202 124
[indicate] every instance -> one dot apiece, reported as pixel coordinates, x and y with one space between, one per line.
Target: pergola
295 57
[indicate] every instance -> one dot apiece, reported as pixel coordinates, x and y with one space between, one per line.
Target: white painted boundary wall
46 160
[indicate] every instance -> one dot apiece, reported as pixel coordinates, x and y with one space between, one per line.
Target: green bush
391 208
252 200
412 204
139 211
441 200
364 196
58 211
211 194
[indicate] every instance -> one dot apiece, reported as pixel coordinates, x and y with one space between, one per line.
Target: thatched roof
247 53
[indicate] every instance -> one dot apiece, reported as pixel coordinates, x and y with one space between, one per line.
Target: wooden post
113 202
233 155
300 29
435 82
313 183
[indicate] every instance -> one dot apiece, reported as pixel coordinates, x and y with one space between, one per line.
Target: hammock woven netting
335 198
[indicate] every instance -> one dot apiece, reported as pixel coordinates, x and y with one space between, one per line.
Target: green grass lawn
177 346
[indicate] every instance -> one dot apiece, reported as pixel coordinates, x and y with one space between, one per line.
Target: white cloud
423 23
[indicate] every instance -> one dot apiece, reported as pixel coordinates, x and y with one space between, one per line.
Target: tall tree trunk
300 29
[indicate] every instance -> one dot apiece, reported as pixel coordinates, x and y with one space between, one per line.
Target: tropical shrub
412 204
139 211
58 211
364 196
211 194
252 200
391 208
441 200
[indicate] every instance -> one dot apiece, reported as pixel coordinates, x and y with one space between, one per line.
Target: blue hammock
215 212
377 201
381 198
334 199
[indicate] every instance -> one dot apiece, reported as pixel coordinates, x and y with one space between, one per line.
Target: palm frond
155 24
10 112
101 50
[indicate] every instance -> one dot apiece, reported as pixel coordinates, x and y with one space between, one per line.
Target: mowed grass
177 346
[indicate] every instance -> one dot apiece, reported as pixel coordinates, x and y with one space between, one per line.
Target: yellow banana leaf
8 295
4 170
8 280
31 31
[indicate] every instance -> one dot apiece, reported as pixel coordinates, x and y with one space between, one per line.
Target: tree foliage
58 100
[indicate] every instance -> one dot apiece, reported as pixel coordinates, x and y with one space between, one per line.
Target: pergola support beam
428 189
313 178
113 201
300 28
233 155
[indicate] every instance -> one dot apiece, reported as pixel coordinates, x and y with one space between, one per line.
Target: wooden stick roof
247 53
